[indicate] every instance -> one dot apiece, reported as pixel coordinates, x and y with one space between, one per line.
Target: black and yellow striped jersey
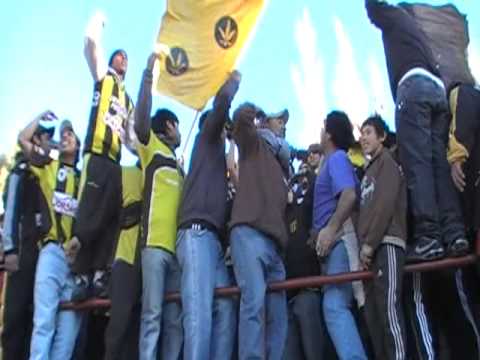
132 188
163 183
59 184
111 107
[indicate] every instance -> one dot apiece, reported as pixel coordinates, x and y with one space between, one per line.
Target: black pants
471 196
383 304
422 122
98 213
442 316
121 337
465 107
307 336
18 304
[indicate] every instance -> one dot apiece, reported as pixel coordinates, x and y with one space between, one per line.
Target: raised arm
130 139
244 131
144 102
25 137
93 49
380 13
215 122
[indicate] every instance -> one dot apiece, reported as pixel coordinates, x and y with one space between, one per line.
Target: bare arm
144 103
327 236
93 50
345 206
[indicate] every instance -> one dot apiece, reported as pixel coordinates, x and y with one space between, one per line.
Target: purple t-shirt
337 174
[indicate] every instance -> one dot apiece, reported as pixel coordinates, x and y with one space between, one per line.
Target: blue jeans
54 332
160 274
263 317
209 324
337 302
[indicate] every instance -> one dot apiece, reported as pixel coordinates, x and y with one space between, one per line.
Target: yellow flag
205 38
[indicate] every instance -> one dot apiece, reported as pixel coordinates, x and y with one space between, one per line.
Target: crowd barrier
307 282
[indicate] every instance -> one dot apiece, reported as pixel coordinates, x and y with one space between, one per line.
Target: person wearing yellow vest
54 332
125 281
158 137
100 191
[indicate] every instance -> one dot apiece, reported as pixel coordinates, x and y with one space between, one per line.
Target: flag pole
190 133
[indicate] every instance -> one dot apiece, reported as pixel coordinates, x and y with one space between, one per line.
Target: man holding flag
203 216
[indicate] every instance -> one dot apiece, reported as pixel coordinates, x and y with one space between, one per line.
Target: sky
309 56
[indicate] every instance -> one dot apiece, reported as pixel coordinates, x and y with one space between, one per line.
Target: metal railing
308 282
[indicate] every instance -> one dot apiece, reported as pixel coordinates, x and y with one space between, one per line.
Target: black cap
115 53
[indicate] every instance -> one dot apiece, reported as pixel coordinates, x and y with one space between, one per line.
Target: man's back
406 46
261 197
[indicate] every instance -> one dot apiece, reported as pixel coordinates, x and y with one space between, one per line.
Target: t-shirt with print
59 188
336 175
163 183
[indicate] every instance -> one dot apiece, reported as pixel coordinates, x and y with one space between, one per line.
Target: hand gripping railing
307 282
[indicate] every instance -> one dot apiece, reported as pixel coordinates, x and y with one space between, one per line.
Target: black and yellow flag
205 38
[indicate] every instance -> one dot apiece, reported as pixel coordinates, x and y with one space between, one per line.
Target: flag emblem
177 62
205 39
226 32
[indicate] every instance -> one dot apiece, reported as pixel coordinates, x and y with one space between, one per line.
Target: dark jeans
422 122
306 329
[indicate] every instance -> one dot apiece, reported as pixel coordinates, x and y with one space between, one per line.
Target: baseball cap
66 125
284 114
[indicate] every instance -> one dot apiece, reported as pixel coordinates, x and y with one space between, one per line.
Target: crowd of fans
245 216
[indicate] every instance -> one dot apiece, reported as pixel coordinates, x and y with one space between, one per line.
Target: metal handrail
306 282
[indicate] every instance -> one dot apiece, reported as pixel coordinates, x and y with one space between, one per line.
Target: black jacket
301 260
204 196
406 45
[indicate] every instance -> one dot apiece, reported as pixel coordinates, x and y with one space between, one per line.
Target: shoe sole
430 256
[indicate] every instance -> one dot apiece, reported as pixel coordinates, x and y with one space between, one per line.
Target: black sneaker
81 291
458 247
100 286
425 249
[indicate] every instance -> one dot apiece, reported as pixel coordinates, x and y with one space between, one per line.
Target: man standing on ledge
422 121
100 199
